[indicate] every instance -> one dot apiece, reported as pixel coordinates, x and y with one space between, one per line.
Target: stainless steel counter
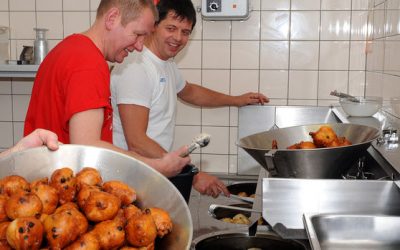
203 223
382 120
257 118
388 154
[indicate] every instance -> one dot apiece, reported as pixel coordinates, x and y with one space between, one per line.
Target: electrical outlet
225 10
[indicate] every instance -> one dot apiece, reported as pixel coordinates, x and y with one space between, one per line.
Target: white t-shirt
146 80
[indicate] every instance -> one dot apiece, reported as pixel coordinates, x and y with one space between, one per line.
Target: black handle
195 170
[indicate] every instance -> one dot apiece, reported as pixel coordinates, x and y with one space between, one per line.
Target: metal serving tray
286 200
351 231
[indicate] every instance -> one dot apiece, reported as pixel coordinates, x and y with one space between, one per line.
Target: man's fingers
48 138
182 150
215 190
223 189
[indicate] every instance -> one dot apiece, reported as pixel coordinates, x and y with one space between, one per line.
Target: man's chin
119 59
171 54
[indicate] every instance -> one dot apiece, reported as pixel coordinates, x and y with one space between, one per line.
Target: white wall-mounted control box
225 9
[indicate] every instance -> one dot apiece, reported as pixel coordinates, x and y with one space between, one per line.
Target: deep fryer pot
320 163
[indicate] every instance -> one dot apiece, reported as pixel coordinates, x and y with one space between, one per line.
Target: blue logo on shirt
163 80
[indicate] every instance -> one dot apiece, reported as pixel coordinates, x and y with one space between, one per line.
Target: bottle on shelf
40 47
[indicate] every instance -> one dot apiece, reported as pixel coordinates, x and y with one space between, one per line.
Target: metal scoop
346 96
199 141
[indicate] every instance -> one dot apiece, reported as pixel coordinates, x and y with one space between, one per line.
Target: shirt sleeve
85 90
132 86
180 82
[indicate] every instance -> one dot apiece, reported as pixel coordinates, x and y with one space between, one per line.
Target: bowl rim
395 98
363 99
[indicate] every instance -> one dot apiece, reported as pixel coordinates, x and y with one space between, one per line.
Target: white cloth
146 80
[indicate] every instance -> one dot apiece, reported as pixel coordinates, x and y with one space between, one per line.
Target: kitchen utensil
40 45
240 239
345 96
366 106
199 141
213 207
308 163
241 198
26 56
184 180
219 211
153 189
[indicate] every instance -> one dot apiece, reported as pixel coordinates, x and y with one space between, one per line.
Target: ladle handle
215 206
195 170
191 148
240 198
199 141
343 95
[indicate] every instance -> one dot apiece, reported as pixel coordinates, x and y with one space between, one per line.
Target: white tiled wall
294 51
383 50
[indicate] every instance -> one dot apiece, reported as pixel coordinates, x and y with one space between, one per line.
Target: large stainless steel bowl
153 189
308 163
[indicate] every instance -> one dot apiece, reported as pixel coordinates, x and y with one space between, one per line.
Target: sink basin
350 231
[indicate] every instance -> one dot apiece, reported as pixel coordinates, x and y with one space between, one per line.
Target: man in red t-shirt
71 92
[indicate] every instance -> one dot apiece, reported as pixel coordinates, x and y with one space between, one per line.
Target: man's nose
177 36
139 45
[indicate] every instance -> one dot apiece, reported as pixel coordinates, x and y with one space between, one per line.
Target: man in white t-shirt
146 85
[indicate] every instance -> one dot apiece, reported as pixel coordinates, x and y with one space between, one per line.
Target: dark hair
183 9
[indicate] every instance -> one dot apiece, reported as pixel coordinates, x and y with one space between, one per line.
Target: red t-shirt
74 77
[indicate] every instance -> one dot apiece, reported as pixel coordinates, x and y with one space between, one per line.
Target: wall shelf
21 71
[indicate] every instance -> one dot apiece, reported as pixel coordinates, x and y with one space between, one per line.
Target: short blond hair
130 9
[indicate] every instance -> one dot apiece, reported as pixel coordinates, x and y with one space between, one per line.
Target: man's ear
112 18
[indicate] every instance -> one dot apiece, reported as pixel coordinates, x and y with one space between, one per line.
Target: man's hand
210 185
37 138
250 98
171 164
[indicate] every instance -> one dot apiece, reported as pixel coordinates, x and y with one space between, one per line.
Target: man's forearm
167 167
5 153
107 145
200 96
147 147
